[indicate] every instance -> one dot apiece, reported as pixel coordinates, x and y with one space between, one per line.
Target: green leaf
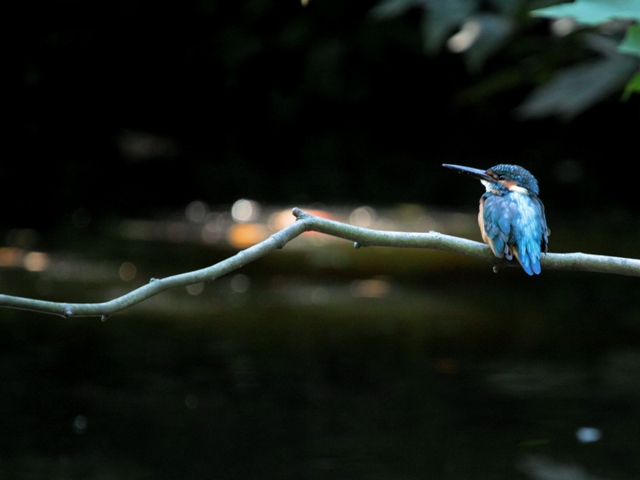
592 12
631 42
508 7
631 87
494 30
577 88
394 8
441 19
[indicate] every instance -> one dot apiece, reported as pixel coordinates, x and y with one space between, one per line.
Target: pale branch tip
308 222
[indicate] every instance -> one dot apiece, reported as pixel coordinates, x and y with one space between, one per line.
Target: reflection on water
247 222
318 361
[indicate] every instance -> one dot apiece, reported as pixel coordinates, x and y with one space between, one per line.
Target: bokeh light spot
362 216
196 211
195 289
245 210
36 261
127 271
240 283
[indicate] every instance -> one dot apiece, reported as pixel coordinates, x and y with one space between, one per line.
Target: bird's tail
530 261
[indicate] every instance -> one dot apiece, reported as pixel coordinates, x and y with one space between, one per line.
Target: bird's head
502 178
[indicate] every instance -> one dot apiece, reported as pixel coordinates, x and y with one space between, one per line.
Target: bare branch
362 237
550 261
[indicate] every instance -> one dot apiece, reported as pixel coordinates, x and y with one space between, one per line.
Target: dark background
284 104
135 108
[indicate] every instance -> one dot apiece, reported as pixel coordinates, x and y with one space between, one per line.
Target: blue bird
511 218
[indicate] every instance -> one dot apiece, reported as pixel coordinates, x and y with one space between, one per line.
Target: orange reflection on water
11 257
284 218
243 235
371 288
36 261
18 257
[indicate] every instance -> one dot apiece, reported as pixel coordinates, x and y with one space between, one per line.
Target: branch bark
362 237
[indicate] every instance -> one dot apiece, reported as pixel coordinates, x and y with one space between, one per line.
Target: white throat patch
491 187
517 189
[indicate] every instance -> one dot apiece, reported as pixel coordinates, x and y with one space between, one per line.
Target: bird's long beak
472 172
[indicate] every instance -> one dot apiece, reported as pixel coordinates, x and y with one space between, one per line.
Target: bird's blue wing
497 214
544 243
533 235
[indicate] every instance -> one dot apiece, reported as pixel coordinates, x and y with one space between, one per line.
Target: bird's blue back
515 224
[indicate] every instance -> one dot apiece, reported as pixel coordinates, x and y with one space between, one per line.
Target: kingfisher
512 220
